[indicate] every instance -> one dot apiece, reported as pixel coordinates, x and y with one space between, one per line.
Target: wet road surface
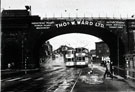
53 77
95 83
56 77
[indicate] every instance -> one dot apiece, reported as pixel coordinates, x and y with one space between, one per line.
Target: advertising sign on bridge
131 24
115 24
42 25
111 24
48 25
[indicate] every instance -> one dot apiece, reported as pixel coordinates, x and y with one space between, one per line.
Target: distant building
93 55
130 56
46 50
63 49
102 51
49 48
131 41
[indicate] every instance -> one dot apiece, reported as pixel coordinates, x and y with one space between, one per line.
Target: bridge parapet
97 22
87 18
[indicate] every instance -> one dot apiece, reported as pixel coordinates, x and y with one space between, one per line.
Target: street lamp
118 49
24 63
22 45
76 13
133 16
68 13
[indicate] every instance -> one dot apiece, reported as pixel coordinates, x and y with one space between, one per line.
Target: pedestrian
12 65
91 68
108 70
9 65
111 68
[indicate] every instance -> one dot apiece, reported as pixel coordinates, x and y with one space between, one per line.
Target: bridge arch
110 38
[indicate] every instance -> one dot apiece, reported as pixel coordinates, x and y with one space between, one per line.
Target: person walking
91 68
112 68
9 66
108 70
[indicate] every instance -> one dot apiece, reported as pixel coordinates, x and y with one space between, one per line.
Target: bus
81 56
70 58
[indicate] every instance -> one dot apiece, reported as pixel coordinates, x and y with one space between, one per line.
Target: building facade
15 34
102 51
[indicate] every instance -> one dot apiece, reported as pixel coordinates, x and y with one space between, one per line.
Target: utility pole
118 48
24 60
25 65
22 42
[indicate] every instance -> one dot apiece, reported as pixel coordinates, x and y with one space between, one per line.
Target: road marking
14 79
75 82
25 79
41 78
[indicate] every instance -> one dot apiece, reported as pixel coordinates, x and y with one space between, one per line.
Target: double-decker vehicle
70 58
81 56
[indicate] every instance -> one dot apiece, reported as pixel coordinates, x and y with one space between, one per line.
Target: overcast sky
73 8
75 40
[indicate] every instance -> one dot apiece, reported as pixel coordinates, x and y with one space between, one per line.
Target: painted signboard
47 25
115 24
131 24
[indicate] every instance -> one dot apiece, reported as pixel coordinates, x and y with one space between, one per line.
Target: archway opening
62 43
111 39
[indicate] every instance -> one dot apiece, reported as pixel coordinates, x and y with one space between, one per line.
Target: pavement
6 73
130 80
14 70
96 83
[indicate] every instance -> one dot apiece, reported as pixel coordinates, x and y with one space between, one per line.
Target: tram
81 56
70 58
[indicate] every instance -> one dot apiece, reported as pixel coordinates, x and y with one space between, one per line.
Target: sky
74 40
74 8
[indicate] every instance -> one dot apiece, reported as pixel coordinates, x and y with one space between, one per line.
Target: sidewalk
16 70
129 81
12 72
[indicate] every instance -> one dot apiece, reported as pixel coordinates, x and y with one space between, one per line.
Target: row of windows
78 58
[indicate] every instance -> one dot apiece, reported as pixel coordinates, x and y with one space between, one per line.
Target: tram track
65 83
76 81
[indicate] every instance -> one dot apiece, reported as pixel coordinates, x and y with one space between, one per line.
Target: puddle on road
61 86
91 79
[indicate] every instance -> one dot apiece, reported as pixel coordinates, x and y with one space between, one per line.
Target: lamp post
22 45
25 65
76 13
24 60
118 50
67 13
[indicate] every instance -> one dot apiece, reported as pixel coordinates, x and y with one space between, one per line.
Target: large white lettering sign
48 25
81 22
